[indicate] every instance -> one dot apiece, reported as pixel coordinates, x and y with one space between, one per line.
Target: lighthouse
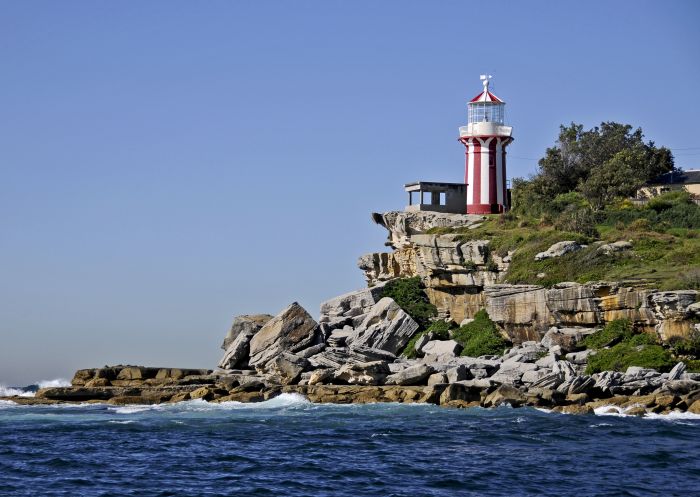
485 138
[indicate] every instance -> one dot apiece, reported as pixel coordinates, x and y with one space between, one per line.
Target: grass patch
480 337
663 255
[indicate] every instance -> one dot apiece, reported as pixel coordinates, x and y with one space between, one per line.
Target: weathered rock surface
441 350
559 249
237 341
611 248
413 375
364 373
291 330
386 327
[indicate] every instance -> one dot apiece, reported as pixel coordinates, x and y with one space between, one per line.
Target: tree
605 162
620 176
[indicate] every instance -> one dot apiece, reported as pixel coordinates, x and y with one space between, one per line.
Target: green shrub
480 337
470 266
641 224
409 294
441 330
626 354
614 332
668 200
693 365
577 220
686 346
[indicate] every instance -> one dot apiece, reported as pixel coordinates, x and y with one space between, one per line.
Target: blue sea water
290 447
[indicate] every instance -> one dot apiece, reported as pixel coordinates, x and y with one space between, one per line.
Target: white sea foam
12 392
126 422
133 409
612 410
55 383
6 391
282 401
7 403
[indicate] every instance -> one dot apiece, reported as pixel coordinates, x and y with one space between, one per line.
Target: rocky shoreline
356 351
290 353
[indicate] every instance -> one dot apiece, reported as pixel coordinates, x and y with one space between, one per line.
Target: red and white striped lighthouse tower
486 138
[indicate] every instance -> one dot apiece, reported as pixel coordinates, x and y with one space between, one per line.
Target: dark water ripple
289 447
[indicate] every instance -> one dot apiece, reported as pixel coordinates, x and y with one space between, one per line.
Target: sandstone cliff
463 276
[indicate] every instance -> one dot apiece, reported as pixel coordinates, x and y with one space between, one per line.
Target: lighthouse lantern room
485 138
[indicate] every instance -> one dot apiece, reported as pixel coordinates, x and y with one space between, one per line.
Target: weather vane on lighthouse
485 138
485 78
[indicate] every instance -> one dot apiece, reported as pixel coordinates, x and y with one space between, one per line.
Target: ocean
290 447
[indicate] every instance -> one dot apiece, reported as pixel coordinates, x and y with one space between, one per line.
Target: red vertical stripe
493 184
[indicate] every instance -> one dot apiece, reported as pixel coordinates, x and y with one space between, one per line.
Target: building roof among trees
679 177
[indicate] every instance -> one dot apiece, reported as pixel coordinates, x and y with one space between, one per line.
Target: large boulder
248 324
505 394
413 375
386 327
286 368
237 341
441 350
559 249
350 304
291 330
566 338
611 248
364 373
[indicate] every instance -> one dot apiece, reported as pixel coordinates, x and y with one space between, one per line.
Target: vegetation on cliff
480 337
664 235
601 164
409 293
617 346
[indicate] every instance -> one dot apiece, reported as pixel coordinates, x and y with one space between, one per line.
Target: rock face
461 277
403 225
237 341
291 330
386 327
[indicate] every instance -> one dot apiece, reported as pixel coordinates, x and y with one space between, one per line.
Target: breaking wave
15 392
612 410
30 390
282 401
55 383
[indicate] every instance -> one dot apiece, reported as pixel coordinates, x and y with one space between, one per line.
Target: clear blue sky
166 165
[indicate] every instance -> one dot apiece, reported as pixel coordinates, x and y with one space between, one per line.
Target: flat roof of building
432 184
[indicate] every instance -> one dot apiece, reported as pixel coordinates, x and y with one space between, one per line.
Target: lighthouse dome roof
486 96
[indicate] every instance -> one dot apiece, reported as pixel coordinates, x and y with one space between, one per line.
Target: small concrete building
437 197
